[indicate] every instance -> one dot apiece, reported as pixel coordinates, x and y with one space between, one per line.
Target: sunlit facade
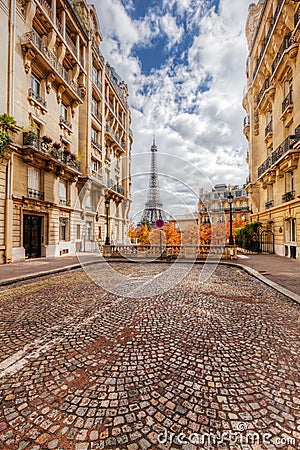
272 125
74 149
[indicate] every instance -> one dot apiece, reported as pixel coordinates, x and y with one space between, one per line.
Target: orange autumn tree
143 235
173 235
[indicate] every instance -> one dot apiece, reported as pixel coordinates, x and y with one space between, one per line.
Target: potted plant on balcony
47 139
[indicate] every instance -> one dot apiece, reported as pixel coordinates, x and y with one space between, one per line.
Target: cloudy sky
184 63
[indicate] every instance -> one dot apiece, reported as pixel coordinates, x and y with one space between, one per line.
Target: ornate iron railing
283 148
269 128
287 101
288 196
37 98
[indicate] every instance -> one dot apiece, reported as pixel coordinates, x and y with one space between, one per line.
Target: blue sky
184 63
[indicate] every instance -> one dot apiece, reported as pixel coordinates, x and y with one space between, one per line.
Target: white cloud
204 128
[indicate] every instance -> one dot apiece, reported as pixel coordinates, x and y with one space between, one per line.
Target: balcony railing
36 194
286 43
115 187
59 26
34 39
37 98
115 136
45 5
32 140
297 17
287 101
269 204
285 146
64 202
246 121
269 32
65 122
288 196
116 81
266 86
96 144
72 4
71 44
269 128
97 114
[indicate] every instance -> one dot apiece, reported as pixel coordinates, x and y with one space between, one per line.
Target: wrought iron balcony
268 35
45 5
33 39
53 152
96 144
266 86
97 114
115 136
71 44
288 196
64 202
65 123
36 194
286 43
287 101
32 95
269 128
269 204
285 147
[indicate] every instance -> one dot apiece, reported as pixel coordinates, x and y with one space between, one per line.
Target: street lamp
107 242
230 199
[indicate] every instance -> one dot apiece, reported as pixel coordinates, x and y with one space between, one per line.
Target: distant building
272 124
184 221
74 111
213 206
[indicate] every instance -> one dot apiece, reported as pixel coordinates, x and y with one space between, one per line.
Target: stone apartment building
73 154
272 125
213 206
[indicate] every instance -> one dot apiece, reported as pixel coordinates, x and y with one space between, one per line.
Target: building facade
272 124
213 206
74 149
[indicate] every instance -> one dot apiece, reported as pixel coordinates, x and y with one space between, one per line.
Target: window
289 182
63 192
35 86
33 178
63 225
34 183
95 75
94 134
64 112
290 230
95 105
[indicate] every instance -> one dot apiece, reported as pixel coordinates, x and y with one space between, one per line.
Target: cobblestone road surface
84 369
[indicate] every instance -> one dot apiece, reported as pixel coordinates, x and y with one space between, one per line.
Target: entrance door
32 236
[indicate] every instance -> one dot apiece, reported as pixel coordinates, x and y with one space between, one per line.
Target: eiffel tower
153 207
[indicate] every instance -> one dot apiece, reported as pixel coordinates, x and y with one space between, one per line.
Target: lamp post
107 241
230 199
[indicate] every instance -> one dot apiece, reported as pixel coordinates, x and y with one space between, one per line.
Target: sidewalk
283 271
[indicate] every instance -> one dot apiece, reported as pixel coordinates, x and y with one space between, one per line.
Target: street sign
159 223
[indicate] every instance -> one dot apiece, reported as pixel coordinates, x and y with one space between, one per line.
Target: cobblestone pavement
84 369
